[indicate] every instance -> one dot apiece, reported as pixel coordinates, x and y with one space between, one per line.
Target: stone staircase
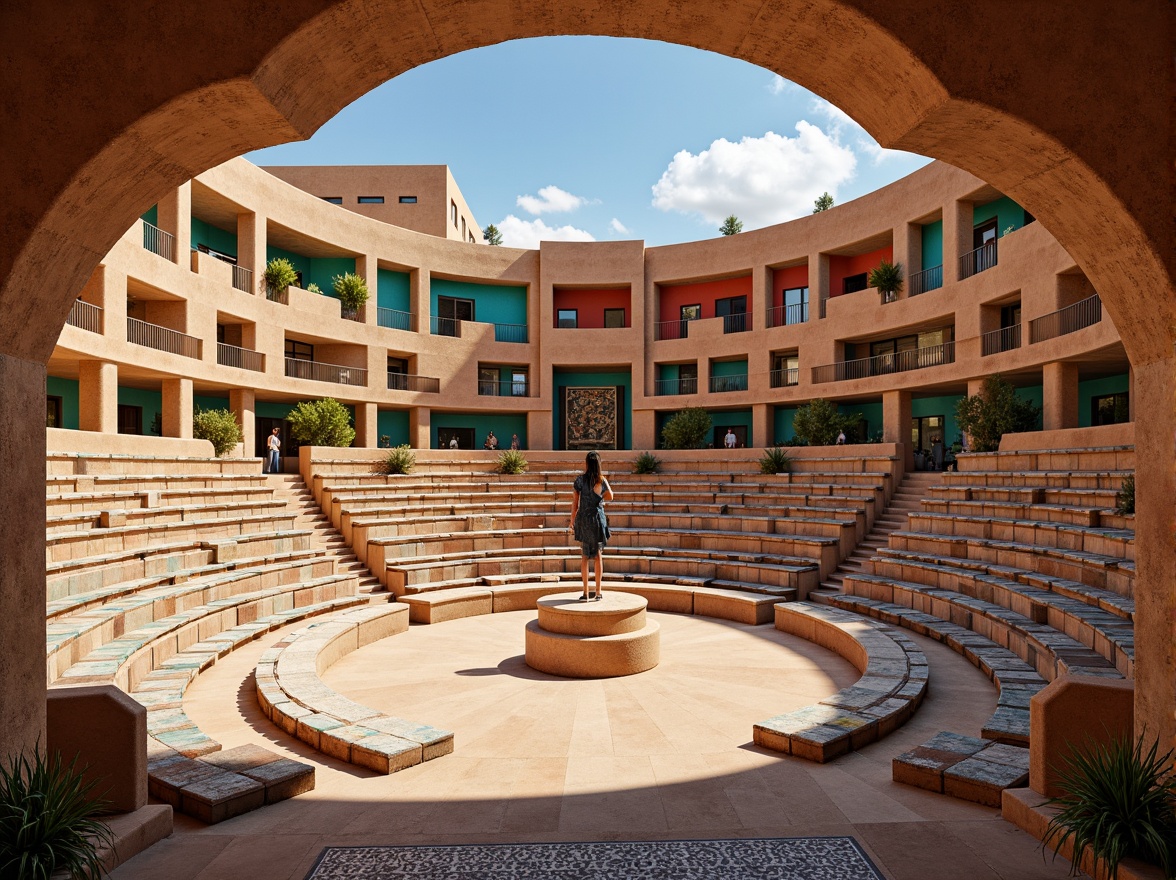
907 498
300 500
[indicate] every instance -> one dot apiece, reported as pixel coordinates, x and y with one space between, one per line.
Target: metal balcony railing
243 279
928 279
510 332
439 326
664 387
979 260
340 375
504 388
241 358
883 364
411 382
784 378
1067 320
394 319
1004 339
737 323
162 339
722 384
779 316
159 242
671 329
85 316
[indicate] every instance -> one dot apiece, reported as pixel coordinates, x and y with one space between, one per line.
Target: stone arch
1071 135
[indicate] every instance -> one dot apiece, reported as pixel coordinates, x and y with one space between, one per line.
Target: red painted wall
591 304
786 279
674 296
840 267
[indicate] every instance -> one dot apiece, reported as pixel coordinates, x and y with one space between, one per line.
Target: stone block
221 795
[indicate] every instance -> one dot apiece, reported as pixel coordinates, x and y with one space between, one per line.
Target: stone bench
124 499
291 693
965 767
1104 480
1116 543
1101 499
1089 458
1062 514
893 683
78 521
122 463
144 483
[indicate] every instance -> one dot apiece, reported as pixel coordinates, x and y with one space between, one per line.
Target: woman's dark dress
591 526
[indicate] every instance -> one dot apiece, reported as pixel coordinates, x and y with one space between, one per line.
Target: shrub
1125 497
687 429
886 278
994 412
279 274
323 422
352 290
47 820
314 288
775 461
400 460
646 463
511 461
1118 802
219 427
818 423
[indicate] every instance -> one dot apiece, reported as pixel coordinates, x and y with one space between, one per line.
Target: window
397 374
220 333
614 318
926 431
450 313
1110 409
686 314
53 412
518 382
984 233
130 419
733 311
334 200
688 378
464 438
408 200
472 239
1010 316
231 259
488 381
463 227
453 213
785 370
370 200
854 283
567 318
299 351
795 305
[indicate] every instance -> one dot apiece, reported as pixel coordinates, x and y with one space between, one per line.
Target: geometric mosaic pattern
778 858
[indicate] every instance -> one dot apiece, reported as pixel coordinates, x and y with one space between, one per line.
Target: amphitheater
322 671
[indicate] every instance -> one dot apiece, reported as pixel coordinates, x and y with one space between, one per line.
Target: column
177 408
761 297
420 427
366 267
251 245
539 429
645 429
421 308
22 535
818 272
98 396
175 216
1059 391
761 425
957 238
243 403
908 253
367 432
896 424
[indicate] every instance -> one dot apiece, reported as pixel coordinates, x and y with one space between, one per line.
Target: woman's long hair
592 468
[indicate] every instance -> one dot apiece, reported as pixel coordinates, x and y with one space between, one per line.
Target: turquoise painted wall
273 410
393 290
316 270
394 424
67 390
871 412
151 215
503 425
1097 388
932 245
782 423
213 237
719 419
668 371
560 380
201 402
1005 210
729 368
940 406
150 401
493 304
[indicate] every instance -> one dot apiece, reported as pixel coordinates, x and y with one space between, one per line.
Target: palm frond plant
511 461
886 278
1118 801
646 463
775 461
48 820
399 460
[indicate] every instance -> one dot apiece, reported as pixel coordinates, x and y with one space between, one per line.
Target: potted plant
886 277
352 291
279 275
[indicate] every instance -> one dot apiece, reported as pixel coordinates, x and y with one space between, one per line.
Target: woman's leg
599 571
584 573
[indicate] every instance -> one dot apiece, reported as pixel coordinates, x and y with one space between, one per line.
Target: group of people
491 442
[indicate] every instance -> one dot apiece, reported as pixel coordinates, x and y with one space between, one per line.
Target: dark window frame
54 411
297 350
619 326
854 283
559 319
407 200
130 417
332 200
1120 402
369 200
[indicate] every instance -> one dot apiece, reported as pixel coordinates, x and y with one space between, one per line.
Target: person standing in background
273 445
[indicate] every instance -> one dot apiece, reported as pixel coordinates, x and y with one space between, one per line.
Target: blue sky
595 138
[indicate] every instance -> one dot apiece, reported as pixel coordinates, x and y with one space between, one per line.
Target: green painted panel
150 401
67 390
151 215
201 402
267 410
393 290
668 372
213 237
493 303
318 270
782 417
561 380
1005 210
502 424
1097 388
871 412
932 245
393 424
729 368
940 406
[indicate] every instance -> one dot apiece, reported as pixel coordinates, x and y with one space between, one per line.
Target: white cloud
842 125
528 233
777 85
762 180
550 199
618 227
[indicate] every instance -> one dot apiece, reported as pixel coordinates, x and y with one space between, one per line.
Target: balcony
159 242
394 319
1004 339
85 316
671 329
510 332
162 339
979 260
439 326
922 282
666 387
340 375
739 322
411 382
504 388
779 316
885 364
785 378
243 278
241 358
1068 320
723 384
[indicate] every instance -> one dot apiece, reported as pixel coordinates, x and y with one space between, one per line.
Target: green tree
731 226
279 274
687 429
491 235
886 278
818 423
994 412
219 427
823 202
323 422
352 291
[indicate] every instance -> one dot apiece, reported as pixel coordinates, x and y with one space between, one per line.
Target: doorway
925 431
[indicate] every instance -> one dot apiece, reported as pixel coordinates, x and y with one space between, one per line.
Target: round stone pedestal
592 639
